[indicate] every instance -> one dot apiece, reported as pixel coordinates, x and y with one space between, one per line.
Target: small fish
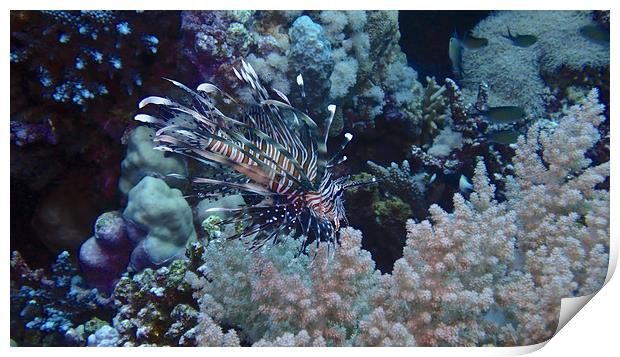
506 137
595 33
455 54
472 42
521 40
503 115
465 185
428 179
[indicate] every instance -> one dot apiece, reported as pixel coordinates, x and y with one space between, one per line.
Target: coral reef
159 223
213 38
265 295
44 308
514 73
440 264
472 277
69 108
105 255
104 50
141 160
350 58
155 307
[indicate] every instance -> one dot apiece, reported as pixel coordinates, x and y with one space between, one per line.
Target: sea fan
268 149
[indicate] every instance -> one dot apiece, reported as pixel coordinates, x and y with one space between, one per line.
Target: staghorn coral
434 108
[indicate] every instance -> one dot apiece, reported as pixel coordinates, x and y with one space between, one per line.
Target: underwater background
487 134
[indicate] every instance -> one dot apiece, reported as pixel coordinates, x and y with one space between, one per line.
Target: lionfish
267 149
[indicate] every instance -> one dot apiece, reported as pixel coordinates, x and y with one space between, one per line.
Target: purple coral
104 256
28 133
212 38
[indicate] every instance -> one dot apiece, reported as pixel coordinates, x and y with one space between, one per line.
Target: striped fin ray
301 179
269 151
321 147
246 148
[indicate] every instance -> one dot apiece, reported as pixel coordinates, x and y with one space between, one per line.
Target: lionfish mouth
259 154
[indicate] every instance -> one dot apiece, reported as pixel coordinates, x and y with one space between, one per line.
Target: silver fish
455 53
521 40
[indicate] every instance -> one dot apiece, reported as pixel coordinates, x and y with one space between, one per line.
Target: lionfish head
269 151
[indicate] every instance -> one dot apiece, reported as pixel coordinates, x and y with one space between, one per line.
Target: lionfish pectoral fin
328 123
211 88
282 95
145 118
156 100
249 187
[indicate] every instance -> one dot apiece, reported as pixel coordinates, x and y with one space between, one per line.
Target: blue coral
43 308
311 55
96 43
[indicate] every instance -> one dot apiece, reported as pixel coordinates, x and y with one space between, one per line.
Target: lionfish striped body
263 156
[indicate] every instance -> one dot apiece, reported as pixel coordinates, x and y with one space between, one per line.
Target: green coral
156 307
392 211
433 111
212 228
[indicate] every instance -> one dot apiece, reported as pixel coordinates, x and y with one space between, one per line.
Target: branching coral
400 180
495 272
491 272
268 296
